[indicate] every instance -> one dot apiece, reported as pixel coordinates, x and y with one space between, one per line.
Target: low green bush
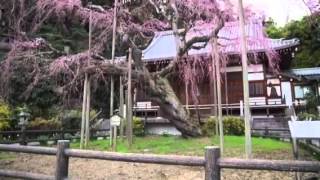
138 127
43 124
232 125
312 103
5 115
43 140
209 127
71 119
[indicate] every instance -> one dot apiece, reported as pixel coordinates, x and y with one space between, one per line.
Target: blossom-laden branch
313 5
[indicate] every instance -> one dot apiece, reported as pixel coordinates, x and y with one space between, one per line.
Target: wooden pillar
215 56
129 102
212 168
23 140
62 161
126 110
83 116
88 93
247 115
114 141
214 81
214 85
113 54
87 130
121 110
226 91
187 95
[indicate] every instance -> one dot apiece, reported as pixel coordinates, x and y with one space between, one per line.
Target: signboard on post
305 129
302 130
115 120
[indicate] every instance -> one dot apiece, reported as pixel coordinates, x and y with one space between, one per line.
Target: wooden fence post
62 161
212 169
62 134
23 140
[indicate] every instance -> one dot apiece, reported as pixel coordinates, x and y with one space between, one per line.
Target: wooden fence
271 132
212 162
23 137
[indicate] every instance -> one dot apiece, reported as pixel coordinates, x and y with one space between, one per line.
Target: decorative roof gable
163 45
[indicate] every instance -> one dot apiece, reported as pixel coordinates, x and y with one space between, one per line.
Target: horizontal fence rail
138 158
212 162
272 165
28 149
23 137
24 175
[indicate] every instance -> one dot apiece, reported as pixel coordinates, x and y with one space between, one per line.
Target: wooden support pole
125 118
23 140
111 95
129 102
83 116
113 54
212 169
87 132
226 91
215 110
214 85
111 135
247 115
114 143
62 161
219 98
295 148
187 95
88 93
121 110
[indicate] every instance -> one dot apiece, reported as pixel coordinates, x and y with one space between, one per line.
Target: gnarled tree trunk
161 92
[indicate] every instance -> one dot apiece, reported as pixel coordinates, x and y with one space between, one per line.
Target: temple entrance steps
271 126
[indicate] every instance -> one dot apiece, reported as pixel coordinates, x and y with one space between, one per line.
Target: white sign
305 129
115 120
146 104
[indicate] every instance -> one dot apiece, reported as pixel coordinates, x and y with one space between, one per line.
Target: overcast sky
279 10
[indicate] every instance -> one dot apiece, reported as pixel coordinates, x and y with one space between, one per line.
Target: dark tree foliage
308 32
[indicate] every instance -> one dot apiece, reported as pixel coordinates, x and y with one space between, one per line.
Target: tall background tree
60 58
307 31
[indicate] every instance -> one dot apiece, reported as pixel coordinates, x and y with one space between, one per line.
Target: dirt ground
82 169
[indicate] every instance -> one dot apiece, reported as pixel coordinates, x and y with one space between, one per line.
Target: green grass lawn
234 145
6 156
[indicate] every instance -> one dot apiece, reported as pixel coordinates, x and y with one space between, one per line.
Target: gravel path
82 169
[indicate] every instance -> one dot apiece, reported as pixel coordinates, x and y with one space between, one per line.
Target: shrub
231 126
138 127
5 115
312 103
306 116
43 140
209 127
71 119
43 124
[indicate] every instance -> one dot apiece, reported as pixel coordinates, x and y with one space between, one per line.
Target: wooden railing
212 162
271 132
22 137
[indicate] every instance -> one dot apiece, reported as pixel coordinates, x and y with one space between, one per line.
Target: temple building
271 91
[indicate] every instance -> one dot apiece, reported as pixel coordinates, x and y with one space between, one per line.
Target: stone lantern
23 122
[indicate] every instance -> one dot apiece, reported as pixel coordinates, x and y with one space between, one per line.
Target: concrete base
161 129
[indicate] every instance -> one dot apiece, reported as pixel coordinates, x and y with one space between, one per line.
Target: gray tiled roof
163 45
309 73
